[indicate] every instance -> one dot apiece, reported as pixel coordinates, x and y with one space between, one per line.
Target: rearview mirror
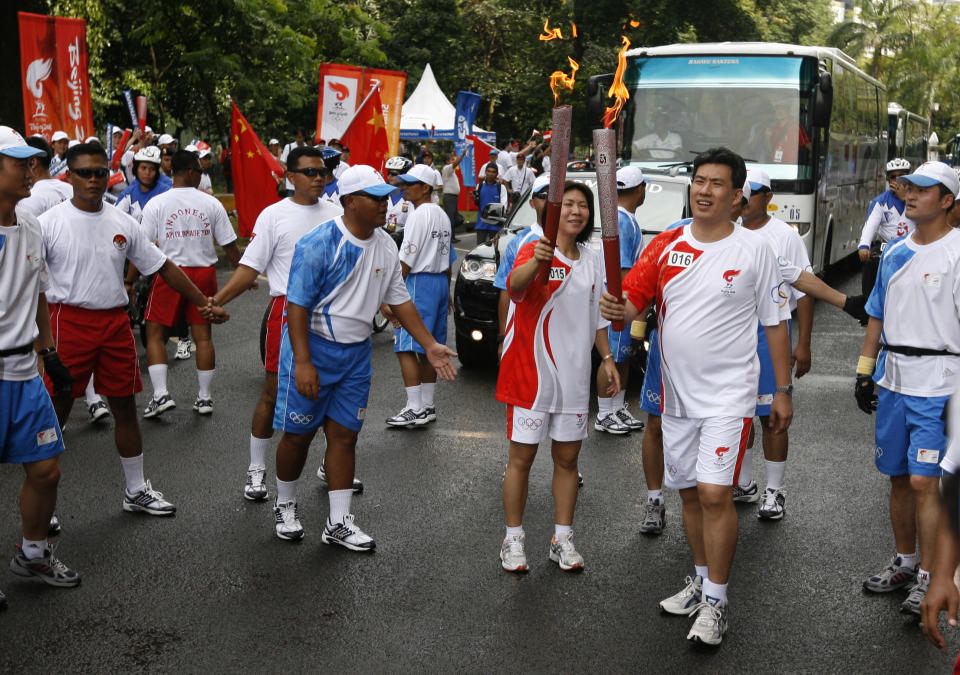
494 213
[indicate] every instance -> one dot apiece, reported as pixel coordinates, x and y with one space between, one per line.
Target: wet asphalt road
214 590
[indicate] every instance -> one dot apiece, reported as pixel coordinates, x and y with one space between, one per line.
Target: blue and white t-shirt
631 238
885 219
132 200
524 236
917 296
343 280
426 240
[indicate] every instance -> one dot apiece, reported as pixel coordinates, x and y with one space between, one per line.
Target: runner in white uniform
45 191
712 282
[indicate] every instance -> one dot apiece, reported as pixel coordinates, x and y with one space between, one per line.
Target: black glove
865 394
59 374
854 306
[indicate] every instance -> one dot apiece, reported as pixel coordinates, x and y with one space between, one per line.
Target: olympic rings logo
529 423
410 248
653 396
298 418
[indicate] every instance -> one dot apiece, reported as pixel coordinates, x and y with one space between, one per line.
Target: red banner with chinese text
38 56
76 111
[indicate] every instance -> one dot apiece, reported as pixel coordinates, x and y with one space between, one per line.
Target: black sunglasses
101 172
310 172
541 195
374 197
393 173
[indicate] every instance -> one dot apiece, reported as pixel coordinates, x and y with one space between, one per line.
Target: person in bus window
662 143
787 137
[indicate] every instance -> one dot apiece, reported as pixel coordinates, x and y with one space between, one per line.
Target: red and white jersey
85 253
709 297
184 222
788 245
545 364
275 235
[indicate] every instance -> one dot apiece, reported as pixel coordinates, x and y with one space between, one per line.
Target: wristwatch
786 389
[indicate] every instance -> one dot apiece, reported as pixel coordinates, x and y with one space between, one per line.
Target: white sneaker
408 417
628 420
98 411
512 556
256 489
148 500
183 349
747 494
710 624
686 601
286 517
611 424
204 406
347 534
773 505
158 406
564 554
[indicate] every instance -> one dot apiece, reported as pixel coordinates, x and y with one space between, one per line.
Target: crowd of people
721 288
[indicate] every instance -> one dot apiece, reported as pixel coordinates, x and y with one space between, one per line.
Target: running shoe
628 420
686 601
204 406
579 479
53 529
149 501
512 556
158 406
917 593
655 517
773 505
256 488
431 413
408 418
893 576
746 495
610 424
322 475
564 554
347 534
287 519
46 568
183 349
98 411
710 624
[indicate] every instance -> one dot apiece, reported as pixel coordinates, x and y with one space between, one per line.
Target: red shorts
97 342
165 306
275 323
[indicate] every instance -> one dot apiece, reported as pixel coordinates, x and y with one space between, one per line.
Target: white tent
428 108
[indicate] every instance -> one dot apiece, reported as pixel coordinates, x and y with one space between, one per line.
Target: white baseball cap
165 139
192 148
91 139
542 181
746 189
13 145
758 179
273 141
59 136
203 153
931 173
420 173
629 177
147 130
117 130
73 142
363 178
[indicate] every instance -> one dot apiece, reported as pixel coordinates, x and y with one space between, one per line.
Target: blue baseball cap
13 145
931 173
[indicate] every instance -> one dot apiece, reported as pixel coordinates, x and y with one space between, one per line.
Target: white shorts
705 450
533 426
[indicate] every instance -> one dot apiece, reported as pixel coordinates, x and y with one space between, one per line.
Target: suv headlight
473 269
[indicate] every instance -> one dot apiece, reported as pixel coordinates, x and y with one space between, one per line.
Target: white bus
806 115
907 134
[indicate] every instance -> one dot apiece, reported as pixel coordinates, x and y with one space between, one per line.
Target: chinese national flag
367 134
255 173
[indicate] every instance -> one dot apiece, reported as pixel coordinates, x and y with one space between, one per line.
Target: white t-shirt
184 222
398 211
85 253
275 234
45 194
426 240
23 276
545 162
519 179
205 184
343 280
786 244
653 142
709 297
917 297
951 460
506 160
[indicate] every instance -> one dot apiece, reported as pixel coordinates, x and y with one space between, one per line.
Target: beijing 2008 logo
728 277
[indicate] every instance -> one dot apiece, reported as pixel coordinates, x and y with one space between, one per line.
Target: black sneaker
149 501
46 568
158 406
53 529
322 475
655 517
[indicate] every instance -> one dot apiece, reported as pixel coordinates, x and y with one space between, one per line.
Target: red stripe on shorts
744 438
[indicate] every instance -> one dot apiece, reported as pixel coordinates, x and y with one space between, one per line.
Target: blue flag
467 105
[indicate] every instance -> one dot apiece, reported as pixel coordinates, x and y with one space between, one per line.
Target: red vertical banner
340 94
76 111
38 57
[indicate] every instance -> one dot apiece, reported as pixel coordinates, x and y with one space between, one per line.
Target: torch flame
617 90
574 26
550 33
634 23
560 80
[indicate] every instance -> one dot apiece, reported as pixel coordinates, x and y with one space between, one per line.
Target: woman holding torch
545 370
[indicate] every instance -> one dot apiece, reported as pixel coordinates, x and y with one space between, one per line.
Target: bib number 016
680 259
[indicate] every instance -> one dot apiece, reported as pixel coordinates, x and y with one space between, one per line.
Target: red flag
38 56
367 134
256 173
76 111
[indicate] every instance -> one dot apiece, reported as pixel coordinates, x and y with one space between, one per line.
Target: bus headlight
800 228
473 269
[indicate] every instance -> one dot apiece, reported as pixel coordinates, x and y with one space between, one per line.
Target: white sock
427 390
701 571
655 496
258 452
158 378
286 491
90 395
204 378
775 474
414 398
33 549
908 559
133 473
514 531
561 529
746 468
339 504
604 407
718 591
618 399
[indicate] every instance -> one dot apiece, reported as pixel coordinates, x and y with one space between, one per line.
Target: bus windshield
758 106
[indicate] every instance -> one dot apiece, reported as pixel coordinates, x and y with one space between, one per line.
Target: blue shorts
28 424
619 343
344 371
768 380
430 293
910 434
650 395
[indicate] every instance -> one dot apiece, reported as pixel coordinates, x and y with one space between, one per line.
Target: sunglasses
374 197
101 172
310 172
541 195
393 173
